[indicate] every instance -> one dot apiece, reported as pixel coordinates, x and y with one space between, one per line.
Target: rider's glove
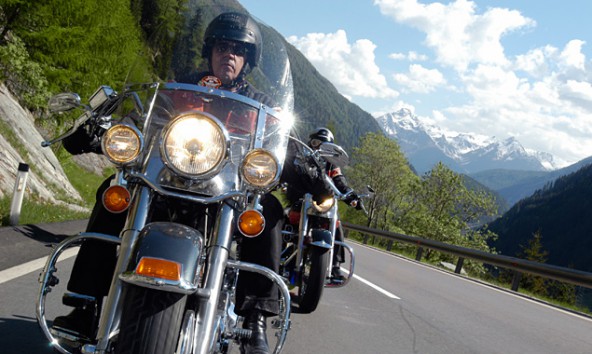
354 200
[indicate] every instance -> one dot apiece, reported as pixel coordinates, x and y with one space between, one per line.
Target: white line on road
26 268
374 286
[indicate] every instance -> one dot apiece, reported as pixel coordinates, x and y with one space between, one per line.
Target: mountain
561 212
425 145
514 185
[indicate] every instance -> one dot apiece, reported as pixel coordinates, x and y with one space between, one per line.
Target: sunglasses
222 47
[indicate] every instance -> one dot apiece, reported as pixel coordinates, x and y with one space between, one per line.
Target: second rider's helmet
238 27
319 136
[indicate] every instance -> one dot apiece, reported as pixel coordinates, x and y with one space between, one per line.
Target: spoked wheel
315 263
150 321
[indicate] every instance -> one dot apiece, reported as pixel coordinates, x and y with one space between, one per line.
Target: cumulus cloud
350 67
410 56
458 35
420 79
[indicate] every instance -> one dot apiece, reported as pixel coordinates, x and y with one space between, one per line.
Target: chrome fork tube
136 220
217 260
306 203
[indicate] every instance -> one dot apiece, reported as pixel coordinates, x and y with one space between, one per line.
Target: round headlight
260 168
122 143
194 145
324 206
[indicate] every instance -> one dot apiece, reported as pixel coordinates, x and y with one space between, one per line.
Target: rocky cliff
20 142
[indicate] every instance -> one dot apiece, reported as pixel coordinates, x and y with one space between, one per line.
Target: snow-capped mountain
425 145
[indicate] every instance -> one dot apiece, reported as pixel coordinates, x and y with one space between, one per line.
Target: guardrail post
419 253
459 265
365 239
516 280
389 245
19 191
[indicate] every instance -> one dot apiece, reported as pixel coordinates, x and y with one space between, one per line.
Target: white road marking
374 286
29 267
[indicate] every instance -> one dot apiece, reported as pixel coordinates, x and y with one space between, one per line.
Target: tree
534 252
379 163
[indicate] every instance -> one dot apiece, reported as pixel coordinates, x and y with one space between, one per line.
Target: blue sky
501 68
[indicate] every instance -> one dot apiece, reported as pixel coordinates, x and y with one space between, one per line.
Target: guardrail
518 265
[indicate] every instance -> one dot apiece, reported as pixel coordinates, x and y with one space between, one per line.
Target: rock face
20 142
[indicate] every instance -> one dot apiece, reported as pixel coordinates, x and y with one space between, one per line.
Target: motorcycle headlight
260 168
122 143
194 145
324 206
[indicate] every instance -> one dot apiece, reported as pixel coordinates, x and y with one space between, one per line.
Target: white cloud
458 35
420 79
411 56
572 56
350 67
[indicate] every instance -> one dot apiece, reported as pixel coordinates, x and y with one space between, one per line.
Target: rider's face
228 59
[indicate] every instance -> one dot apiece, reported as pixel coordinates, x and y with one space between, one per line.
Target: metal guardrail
518 265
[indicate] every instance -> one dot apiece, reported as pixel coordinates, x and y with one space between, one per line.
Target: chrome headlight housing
122 143
260 168
194 145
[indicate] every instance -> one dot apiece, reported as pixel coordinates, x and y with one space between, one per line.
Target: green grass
35 211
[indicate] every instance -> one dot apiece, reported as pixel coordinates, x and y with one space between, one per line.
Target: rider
232 46
316 138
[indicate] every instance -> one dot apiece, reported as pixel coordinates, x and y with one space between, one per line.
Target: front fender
322 238
170 242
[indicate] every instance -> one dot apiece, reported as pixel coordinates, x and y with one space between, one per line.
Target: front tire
315 264
150 321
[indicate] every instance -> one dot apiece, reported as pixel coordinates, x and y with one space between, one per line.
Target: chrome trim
180 287
285 304
192 198
47 274
352 265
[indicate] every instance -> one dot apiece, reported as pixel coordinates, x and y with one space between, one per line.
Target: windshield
180 49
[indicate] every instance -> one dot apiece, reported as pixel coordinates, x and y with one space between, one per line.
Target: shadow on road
22 335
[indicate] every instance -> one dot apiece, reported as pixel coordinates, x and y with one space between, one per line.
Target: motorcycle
193 163
309 235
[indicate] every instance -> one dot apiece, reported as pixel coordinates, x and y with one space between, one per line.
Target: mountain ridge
425 144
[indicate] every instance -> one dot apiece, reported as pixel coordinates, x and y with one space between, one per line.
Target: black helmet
324 135
238 27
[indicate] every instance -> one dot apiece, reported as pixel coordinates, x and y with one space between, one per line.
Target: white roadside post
19 192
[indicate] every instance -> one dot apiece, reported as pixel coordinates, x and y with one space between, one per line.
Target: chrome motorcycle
309 234
181 147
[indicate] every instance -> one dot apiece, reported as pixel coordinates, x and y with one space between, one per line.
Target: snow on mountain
425 145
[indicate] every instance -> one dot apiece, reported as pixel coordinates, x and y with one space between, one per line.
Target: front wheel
315 264
150 321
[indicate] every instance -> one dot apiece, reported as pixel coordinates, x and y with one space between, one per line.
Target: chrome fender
171 242
322 238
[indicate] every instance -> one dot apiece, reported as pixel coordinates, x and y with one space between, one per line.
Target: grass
35 211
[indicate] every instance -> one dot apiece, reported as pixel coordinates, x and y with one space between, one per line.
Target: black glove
354 200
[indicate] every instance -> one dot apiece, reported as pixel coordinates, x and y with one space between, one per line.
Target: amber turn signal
159 268
116 199
251 223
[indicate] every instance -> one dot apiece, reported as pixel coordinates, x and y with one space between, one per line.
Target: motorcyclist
232 46
316 138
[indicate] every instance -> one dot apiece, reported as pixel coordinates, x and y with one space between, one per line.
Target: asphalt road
392 306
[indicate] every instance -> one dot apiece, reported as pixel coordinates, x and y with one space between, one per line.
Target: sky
500 68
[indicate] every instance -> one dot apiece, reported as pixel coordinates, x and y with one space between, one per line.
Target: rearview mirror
334 154
63 102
